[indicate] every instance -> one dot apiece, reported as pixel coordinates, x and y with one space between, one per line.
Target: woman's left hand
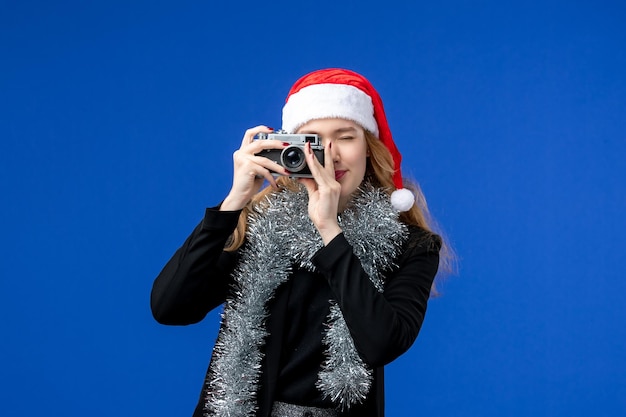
324 192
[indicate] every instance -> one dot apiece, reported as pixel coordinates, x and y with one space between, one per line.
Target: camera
292 157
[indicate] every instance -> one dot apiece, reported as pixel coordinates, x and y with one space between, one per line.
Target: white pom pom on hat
402 199
341 93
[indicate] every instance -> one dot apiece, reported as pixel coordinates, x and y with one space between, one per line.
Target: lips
339 175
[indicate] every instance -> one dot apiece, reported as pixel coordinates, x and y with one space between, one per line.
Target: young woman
324 280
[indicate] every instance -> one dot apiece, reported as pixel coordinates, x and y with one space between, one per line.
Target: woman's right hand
251 170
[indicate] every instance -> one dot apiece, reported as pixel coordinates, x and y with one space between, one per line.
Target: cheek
363 156
359 165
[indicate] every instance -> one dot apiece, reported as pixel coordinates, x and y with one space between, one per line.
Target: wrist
231 203
329 233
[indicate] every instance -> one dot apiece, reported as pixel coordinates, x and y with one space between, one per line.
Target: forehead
329 125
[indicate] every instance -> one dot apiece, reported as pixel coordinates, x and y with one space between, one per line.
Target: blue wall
118 121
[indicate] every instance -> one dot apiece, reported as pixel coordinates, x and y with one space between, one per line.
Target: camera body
292 157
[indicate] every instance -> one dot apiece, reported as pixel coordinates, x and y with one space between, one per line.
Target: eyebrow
340 130
346 129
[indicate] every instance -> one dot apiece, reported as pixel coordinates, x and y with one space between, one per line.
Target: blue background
118 120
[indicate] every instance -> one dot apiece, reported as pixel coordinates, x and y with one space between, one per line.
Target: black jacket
383 325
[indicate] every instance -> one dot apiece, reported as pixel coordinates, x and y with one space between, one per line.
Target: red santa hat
344 94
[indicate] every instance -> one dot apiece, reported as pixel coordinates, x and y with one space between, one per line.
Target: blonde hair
380 168
379 171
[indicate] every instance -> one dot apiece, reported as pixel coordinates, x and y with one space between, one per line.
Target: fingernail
286 143
288 172
270 128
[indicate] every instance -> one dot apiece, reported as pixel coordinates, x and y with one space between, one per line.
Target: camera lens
292 158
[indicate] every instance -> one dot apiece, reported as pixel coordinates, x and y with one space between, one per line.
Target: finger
253 174
270 178
259 173
314 165
257 176
249 135
269 165
259 145
329 163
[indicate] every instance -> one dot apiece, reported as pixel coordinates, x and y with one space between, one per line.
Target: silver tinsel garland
280 237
